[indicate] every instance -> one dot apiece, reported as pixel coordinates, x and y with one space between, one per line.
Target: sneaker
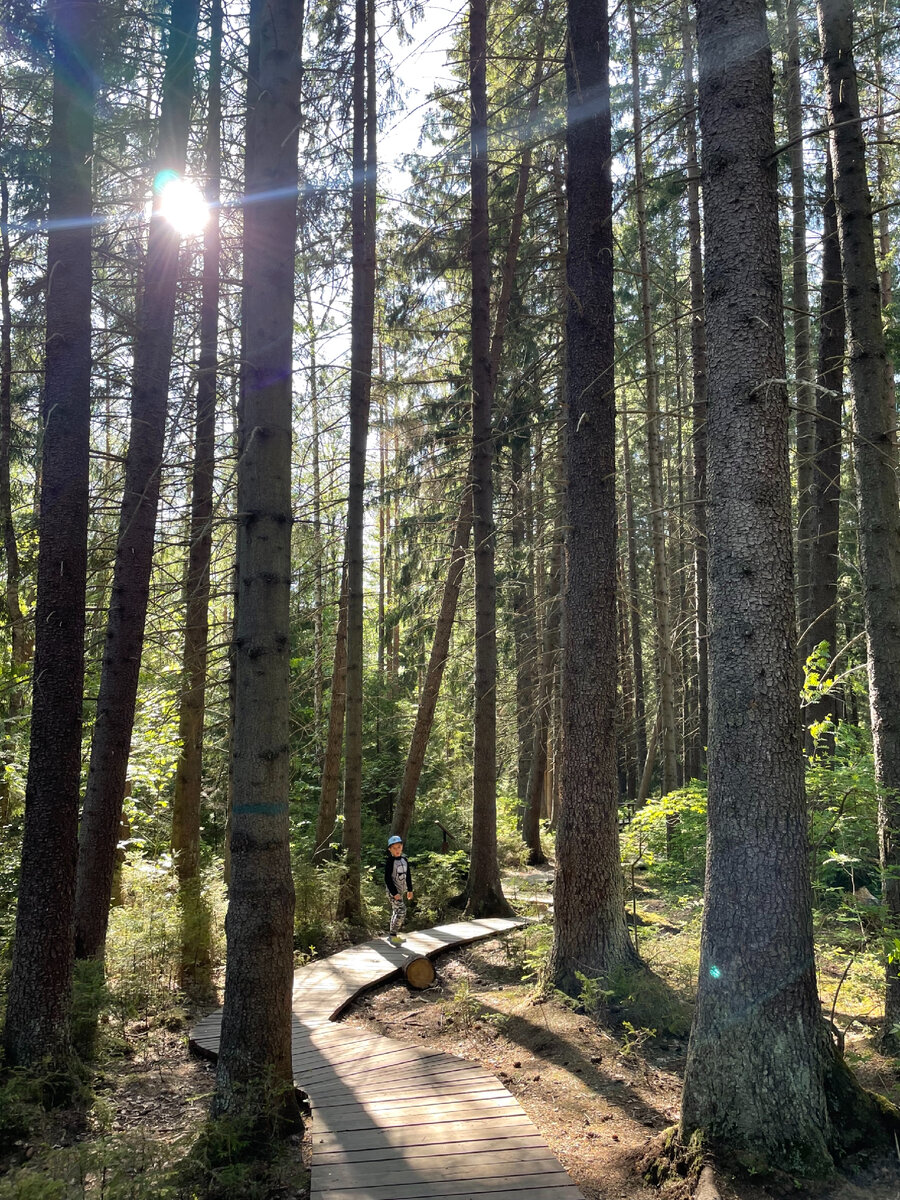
395 939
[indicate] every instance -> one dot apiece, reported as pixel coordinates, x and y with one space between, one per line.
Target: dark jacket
394 874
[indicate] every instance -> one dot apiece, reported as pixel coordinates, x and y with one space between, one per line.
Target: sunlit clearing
181 203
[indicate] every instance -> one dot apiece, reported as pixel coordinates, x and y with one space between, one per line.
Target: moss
859 1119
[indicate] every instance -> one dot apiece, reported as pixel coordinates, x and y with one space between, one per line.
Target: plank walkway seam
448 1128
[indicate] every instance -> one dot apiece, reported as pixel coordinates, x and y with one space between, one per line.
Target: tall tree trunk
102 811
403 811
253 1074
522 602
362 337
884 204
484 890
326 821
826 483
761 1071
531 824
590 935
875 452
186 800
661 589
21 648
40 983
634 601
803 362
440 649
698 360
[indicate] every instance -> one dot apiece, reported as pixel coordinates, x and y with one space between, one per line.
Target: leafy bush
644 838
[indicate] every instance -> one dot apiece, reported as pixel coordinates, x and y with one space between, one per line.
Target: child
398 881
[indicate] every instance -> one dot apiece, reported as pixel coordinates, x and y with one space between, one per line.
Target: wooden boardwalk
392 1120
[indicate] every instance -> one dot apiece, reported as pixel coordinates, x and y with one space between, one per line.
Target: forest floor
599 1091
600 1088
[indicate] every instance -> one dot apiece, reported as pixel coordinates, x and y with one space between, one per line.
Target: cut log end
419 972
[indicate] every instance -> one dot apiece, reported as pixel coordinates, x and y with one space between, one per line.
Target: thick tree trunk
590 935
102 811
41 978
484 890
362 339
186 800
253 1075
661 588
761 1072
826 483
875 451
699 366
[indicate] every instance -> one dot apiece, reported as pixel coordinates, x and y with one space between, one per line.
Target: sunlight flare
181 203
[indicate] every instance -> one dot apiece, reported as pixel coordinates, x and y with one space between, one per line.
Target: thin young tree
253 1075
362 332
826 481
111 743
763 1080
484 893
40 983
874 451
590 935
187 796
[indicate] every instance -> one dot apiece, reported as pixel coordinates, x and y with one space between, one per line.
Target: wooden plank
360 1119
512 1187
508 1164
404 1138
410 1103
526 1141
412 1096
324 1087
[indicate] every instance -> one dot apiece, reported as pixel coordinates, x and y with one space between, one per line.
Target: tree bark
187 797
875 452
762 1078
804 370
440 648
21 646
484 891
590 935
111 744
826 483
253 1075
361 347
326 821
699 366
634 602
661 588
40 982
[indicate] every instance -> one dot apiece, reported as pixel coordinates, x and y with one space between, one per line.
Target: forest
472 425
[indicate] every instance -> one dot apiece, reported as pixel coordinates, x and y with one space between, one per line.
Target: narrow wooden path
392 1120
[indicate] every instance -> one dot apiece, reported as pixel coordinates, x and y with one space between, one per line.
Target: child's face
396 848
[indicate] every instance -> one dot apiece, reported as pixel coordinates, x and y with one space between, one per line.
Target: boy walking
398 881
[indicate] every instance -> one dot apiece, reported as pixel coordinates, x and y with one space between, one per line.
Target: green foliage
843 803
464 1008
120 1168
144 943
438 879
644 838
511 850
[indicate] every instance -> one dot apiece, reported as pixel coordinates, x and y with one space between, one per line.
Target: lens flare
715 972
180 203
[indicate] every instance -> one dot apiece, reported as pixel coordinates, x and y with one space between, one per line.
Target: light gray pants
398 912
